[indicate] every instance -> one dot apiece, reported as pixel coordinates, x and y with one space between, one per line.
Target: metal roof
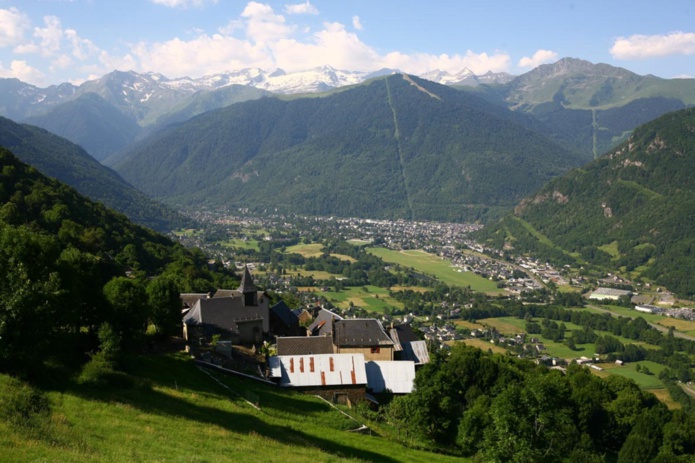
417 352
319 370
396 376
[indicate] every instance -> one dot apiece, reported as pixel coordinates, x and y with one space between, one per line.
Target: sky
47 42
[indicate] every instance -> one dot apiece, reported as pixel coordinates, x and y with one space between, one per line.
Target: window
375 350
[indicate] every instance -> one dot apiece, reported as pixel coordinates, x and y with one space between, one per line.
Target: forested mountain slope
639 199
396 147
63 260
91 122
58 158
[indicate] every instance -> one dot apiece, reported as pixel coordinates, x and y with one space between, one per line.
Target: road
663 329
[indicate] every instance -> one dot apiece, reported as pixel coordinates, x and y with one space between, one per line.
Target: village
347 355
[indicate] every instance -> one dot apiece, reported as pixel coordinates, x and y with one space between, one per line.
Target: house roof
323 323
402 334
396 376
319 370
417 352
189 299
285 314
226 293
304 345
360 332
223 312
247 285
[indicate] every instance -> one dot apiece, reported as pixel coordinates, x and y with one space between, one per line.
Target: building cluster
318 351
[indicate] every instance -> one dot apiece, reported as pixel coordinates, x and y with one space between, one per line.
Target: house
283 321
363 336
323 323
341 378
241 316
304 316
397 376
304 345
407 346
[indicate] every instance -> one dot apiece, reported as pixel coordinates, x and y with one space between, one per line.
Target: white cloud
183 3
13 25
301 8
24 72
356 23
538 58
259 37
263 25
53 40
653 46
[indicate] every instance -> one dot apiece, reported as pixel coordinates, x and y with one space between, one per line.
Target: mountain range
590 107
584 106
395 146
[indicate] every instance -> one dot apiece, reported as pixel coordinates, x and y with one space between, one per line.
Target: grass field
417 289
441 269
368 300
240 243
306 250
181 415
317 274
513 325
484 345
314 250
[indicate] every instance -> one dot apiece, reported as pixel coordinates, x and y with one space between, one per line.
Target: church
241 315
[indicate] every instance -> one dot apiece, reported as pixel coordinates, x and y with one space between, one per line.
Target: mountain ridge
420 147
636 201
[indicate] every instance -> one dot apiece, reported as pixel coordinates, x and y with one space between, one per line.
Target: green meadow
375 299
441 269
174 412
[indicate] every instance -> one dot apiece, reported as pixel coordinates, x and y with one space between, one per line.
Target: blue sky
47 42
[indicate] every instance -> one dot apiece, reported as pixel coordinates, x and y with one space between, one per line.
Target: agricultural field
175 412
240 243
435 266
314 250
375 299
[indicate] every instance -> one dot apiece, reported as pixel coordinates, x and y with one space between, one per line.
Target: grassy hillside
171 411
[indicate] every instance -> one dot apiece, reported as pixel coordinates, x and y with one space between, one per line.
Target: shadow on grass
165 370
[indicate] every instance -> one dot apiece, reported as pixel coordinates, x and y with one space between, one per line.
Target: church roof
247 285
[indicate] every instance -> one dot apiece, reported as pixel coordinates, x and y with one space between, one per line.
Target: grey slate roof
226 293
401 335
285 314
189 299
304 345
247 285
360 332
222 312
323 323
